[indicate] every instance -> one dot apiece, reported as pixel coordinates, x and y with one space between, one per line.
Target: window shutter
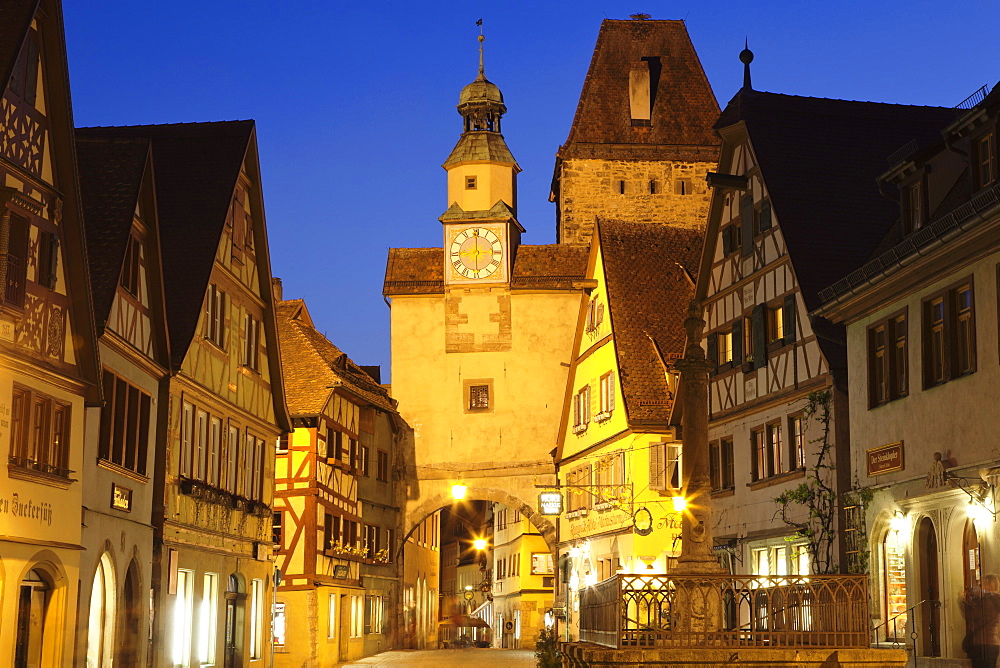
31 70
657 466
713 350
765 215
727 240
788 318
746 222
737 342
758 335
53 261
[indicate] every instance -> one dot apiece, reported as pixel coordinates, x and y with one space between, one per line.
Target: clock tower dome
481 232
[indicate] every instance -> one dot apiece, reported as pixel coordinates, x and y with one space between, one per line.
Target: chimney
639 93
276 289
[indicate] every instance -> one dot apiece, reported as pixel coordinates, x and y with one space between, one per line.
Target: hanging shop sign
642 522
550 503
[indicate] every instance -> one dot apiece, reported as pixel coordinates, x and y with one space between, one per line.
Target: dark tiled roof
480 146
195 170
549 267
820 159
15 19
411 271
684 106
648 296
552 266
110 178
312 364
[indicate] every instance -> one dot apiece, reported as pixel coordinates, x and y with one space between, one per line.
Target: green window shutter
788 318
713 350
765 215
738 342
746 221
758 335
727 240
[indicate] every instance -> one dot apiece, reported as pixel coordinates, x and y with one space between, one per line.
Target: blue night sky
355 102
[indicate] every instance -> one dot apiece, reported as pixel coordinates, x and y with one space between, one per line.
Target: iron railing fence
749 611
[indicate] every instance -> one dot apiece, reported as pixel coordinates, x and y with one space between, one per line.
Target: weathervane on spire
482 39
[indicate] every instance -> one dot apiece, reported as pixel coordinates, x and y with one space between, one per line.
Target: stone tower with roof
642 140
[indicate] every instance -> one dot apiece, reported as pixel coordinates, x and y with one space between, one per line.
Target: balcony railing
751 611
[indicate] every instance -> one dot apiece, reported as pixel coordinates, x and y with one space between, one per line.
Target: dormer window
986 160
913 207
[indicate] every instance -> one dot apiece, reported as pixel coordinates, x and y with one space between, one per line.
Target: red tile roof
683 109
646 267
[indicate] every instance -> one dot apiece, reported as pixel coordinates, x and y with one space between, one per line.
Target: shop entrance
929 582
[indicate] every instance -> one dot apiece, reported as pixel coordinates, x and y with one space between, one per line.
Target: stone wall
591 187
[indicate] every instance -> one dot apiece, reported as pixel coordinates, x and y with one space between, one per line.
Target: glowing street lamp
680 504
479 543
458 491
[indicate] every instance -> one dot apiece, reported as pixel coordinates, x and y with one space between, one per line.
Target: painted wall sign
550 503
121 497
885 459
340 572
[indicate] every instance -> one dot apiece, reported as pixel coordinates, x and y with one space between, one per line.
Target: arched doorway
32 605
235 604
130 620
929 585
892 558
101 621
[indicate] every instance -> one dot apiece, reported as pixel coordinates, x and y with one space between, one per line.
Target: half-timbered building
793 208
48 357
119 206
224 409
618 454
641 141
921 319
336 549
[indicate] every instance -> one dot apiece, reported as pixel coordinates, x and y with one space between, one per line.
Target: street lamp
479 543
458 491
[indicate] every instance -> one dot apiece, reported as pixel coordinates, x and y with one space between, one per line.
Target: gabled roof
646 267
313 366
411 271
111 173
819 159
196 168
15 19
683 109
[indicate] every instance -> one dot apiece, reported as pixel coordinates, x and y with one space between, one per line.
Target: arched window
101 626
894 584
33 599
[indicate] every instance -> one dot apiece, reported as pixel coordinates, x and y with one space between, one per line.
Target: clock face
476 252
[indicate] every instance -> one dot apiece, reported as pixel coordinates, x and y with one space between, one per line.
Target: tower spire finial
746 57
482 69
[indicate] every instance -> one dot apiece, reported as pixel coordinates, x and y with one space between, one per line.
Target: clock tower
481 232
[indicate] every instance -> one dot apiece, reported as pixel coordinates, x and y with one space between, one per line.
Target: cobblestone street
459 658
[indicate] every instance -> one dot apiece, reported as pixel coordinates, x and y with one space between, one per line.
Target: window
796 443
579 488
251 342
124 435
130 267
725 351
353 453
214 450
607 396
232 459
721 470
949 337
372 543
331 616
470 182
280 625
183 618
595 315
364 465
48 259
657 466
732 238
479 397
374 614
277 527
200 444
581 409
682 187
893 558
39 433
621 187
775 324
209 619
674 469
610 473
382 466
774 448
215 321
187 439
282 447
758 450
986 160
357 616
390 545
887 360
913 207
256 619
654 187
16 261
